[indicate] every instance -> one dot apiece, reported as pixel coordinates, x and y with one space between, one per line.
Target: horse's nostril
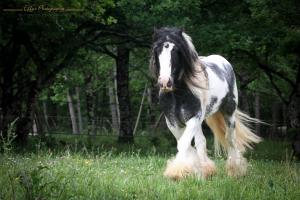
169 84
160 85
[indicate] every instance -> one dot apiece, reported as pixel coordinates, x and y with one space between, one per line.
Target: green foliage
87 63
75 46
6 141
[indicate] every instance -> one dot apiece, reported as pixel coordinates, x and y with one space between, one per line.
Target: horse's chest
179 107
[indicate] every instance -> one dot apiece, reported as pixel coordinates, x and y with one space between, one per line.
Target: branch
37 59
102 49
297 88
266 67
278 91
244 82
45 76
49 77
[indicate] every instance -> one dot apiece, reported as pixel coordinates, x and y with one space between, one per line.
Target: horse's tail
245 137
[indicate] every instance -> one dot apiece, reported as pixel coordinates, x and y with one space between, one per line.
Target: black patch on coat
213 100
179 105
216 69
228 105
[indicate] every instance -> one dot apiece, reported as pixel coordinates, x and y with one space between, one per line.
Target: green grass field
99 168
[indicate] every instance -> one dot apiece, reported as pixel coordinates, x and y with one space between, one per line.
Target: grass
105 170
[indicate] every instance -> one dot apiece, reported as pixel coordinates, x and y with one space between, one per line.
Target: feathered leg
186 162
207 165
236 164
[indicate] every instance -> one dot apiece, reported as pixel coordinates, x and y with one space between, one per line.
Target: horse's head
173 57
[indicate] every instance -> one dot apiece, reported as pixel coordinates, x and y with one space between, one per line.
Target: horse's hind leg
236 164
207 166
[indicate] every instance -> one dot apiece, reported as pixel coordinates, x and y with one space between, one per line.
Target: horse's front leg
186 162
207 165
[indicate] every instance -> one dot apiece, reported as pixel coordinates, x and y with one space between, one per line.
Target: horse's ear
155 33
181 30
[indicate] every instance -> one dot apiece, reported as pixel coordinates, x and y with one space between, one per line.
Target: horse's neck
198 83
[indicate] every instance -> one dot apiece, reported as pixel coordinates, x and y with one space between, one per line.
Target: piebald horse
194 89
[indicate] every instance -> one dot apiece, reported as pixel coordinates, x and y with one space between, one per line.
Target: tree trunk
284 115
122 62
275 116
115 89
72 113
90 103
34 127
45 114
38 119
8 101
257 112
103 109
17 106
293 107
78 107
243 101
113 109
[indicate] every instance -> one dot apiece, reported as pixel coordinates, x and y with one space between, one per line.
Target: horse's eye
167 45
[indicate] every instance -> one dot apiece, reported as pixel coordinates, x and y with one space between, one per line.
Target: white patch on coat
235 93
165 61
176 131
192 127
216 87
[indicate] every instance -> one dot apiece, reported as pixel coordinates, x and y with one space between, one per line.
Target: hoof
184 165
208 169
178 170
236 167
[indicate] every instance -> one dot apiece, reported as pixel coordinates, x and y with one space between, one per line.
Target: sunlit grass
108 173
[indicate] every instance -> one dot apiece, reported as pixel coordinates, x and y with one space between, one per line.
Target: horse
194 89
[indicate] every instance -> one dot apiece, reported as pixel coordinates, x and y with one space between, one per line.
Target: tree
34 49
72 113
122 62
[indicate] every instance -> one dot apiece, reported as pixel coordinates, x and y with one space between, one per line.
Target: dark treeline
87 67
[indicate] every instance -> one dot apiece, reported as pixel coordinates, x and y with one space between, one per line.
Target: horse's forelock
162 33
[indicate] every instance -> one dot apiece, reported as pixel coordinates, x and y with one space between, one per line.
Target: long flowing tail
245 137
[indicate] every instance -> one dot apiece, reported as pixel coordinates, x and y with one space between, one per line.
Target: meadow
69 167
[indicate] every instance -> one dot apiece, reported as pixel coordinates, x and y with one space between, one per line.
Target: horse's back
221 81
217 61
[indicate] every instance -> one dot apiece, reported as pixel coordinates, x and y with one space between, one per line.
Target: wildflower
87 162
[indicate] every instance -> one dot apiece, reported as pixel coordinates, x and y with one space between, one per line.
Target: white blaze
165 61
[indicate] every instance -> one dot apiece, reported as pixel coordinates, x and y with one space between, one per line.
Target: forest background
81 67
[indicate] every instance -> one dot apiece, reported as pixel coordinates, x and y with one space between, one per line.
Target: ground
111 171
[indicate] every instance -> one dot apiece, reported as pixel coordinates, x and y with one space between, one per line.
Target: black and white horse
194 89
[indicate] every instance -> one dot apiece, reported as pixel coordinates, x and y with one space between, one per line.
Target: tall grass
110 171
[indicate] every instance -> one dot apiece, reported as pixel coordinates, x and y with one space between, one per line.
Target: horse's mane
192 64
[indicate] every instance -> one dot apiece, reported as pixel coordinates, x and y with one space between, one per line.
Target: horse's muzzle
166 85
